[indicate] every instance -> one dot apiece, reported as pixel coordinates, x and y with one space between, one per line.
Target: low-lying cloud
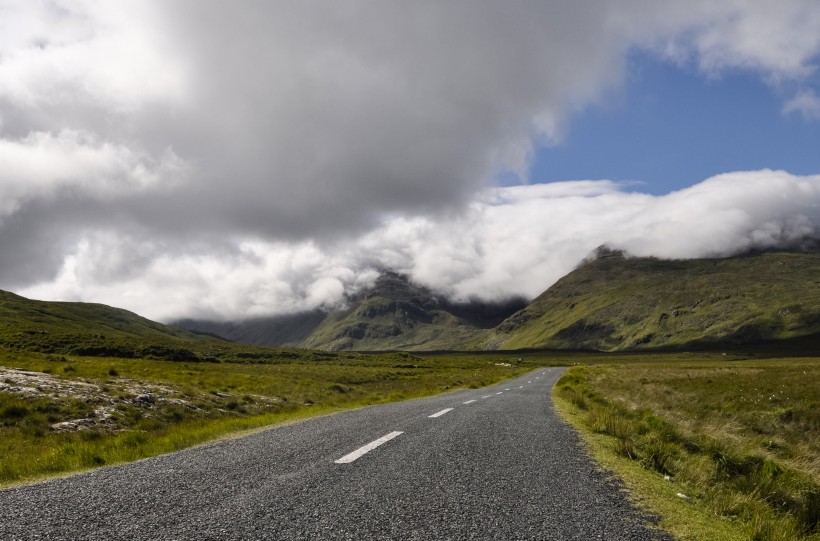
508 242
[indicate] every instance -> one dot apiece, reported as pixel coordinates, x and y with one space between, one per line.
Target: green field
719 449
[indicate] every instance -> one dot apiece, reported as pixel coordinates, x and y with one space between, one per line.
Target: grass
739 439
126 409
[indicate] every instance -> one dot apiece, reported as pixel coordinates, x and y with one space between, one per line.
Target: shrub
14 412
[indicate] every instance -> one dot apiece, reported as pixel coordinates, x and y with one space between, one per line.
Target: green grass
741 439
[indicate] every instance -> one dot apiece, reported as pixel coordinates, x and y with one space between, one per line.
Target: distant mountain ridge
610 302
392 314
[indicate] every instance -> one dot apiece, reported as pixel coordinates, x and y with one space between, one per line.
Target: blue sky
670 126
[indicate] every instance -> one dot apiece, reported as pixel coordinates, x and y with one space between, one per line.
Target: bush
14 412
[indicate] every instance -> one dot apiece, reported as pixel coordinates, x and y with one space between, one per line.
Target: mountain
392 314
397 314
610 302
614 302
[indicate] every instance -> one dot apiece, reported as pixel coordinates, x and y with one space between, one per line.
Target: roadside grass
720 450
128 409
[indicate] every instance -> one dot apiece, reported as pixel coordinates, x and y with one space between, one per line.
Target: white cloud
511 241
86 53
75 164
778 39
805 102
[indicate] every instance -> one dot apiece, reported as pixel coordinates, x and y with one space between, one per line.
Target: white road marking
367 448
487 396
530 381
521 387
440 413
500 392
506 389
469 402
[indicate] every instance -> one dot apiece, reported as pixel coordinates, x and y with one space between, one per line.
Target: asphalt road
498 465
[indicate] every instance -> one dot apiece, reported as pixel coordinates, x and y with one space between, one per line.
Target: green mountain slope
397 314
392 314
616 303
89 329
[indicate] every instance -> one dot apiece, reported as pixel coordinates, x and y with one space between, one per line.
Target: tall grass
740 439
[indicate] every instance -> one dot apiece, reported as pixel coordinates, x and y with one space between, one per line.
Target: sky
228 160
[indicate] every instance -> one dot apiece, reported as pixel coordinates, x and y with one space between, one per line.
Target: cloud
806 102
204 157
71 164
779 40
510 241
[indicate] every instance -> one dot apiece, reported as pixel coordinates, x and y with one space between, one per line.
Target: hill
615 302
97 330
392 314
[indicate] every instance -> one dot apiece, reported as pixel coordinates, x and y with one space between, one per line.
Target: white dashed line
469 402
521 387
530 381
440 413
367 448
500 392
506 389
487 396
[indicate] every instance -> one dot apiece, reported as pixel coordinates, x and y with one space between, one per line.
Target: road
493 463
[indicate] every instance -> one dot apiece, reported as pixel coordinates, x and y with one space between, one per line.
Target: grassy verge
61 414
719 450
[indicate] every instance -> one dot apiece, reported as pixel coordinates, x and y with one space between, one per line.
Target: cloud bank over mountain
508 241
210 158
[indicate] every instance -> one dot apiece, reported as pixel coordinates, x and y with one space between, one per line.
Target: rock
147 398
73 425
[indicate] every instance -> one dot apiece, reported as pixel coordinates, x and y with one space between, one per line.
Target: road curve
493 463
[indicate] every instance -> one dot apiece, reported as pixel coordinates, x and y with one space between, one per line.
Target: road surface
492 463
